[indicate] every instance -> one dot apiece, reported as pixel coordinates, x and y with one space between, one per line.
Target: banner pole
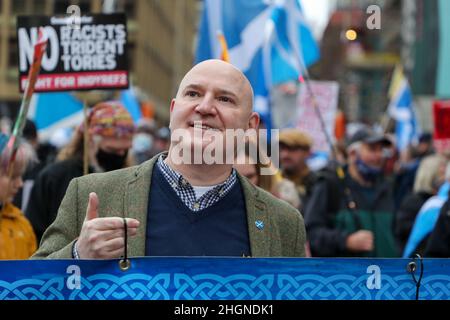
33 73
85 140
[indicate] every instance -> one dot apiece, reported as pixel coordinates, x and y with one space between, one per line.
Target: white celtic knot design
310 286
436 287
212 286
396 288
131 287
237 286
33 289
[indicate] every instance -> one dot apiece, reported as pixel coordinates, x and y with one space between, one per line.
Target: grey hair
447 172
355 146
428 174
25 155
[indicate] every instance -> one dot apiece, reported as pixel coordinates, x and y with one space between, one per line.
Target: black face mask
111 161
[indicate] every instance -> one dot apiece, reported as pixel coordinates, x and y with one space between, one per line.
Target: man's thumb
91 212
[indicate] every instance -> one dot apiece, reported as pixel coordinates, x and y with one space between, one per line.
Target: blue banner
223 278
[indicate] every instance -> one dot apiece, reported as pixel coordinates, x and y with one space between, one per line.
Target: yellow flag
223 44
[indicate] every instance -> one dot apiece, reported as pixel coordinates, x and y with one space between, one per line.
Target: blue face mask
370 174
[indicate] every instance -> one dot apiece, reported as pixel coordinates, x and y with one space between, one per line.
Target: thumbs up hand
103 238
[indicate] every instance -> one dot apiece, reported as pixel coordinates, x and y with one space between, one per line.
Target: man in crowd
352 214
174 208
295 149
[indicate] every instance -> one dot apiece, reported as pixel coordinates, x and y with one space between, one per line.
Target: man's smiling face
213 96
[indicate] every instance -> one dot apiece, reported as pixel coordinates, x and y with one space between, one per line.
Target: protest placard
90 55
326 94
441 117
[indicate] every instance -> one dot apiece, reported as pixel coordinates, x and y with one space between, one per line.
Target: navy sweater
174 230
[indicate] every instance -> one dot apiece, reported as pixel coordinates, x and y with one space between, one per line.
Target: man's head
425 145
295 148
214 96
365 152
111 130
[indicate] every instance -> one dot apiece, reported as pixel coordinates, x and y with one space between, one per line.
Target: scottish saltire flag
401 109
131 103
52 111
426 220
293 47
266 40
60 110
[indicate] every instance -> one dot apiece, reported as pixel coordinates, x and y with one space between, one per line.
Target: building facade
160 44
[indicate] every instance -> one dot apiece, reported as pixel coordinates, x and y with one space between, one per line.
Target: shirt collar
175 177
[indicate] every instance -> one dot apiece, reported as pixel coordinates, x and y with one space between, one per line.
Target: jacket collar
258 219
136 203
136 206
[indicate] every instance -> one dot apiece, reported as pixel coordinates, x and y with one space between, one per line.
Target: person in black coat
430 176
438 245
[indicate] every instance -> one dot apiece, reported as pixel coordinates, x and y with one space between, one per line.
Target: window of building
19 6
60 6
39 7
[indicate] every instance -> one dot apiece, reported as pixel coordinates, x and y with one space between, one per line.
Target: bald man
173 205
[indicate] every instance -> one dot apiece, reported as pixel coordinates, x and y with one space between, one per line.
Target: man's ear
172 105
352 153
253 122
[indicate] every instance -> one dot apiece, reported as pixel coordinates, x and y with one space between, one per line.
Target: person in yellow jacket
17 238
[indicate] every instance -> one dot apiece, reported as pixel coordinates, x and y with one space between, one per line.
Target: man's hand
360 241
103 238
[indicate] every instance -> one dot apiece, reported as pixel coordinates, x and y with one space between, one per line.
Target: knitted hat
110 119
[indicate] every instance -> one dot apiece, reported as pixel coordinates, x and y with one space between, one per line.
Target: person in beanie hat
110 132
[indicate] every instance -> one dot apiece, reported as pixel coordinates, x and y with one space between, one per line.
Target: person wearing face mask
353 215
110 132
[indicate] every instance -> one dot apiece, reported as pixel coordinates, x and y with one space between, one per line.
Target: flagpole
39 49
307 82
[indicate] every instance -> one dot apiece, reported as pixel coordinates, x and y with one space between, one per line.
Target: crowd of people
368 201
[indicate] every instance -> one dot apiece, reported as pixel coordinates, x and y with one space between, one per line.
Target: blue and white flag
426 220
131 103
53 111
268 40
61 110
401 109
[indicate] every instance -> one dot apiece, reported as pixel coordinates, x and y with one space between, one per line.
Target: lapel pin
259 224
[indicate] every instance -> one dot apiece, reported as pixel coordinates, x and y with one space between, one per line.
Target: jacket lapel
258 220
136 204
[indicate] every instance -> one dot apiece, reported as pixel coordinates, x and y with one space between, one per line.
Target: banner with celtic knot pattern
223 278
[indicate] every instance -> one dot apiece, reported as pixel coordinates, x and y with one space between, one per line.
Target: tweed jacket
275 228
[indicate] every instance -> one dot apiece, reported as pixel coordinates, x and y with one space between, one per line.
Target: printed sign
89 55
326 95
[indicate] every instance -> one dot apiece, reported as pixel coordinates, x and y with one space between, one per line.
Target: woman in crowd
110 132
17 239
429 177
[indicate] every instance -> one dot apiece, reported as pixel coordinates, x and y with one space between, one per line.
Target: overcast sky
317 13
